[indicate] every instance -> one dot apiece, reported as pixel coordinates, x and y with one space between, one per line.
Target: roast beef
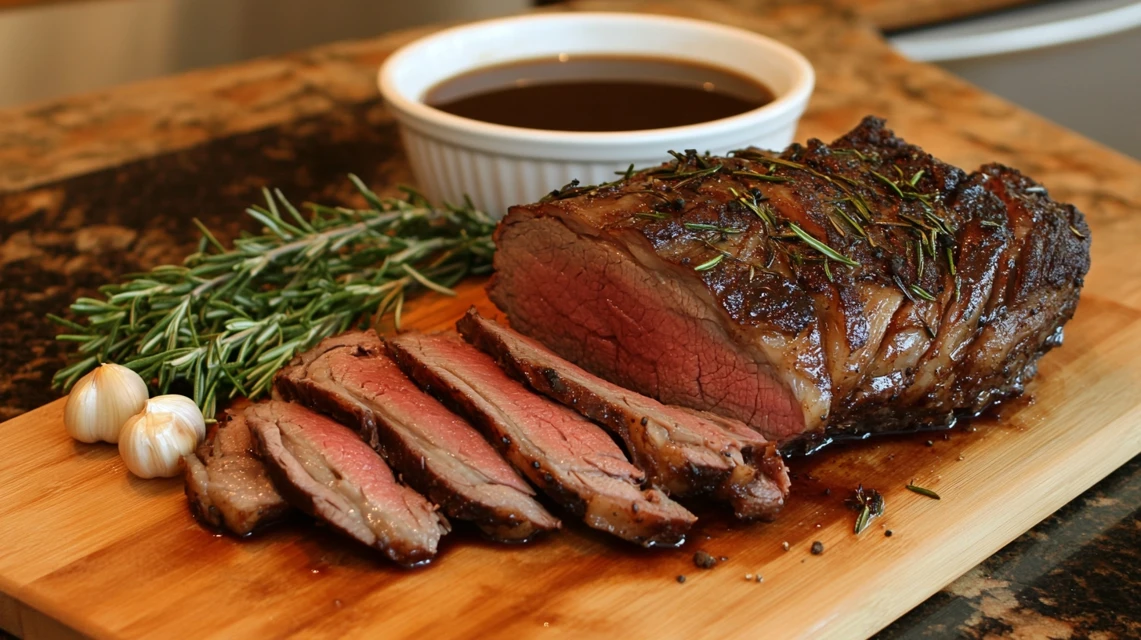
325 470
684 451
569 457
226 484
841 289
435 451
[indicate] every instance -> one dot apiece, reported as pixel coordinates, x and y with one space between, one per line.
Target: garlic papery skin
185 411
101 401
152 444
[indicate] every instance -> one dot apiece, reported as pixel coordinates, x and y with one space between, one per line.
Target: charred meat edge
230 489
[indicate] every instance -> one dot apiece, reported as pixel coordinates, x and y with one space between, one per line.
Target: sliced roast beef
684 451
227 485
326 471
435 451
570 458
840 289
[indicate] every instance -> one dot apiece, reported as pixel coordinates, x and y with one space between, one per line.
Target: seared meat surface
838 289
326 471
683 451
227 485
436 452
571 459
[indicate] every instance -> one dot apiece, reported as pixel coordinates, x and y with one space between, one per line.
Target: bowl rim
787 104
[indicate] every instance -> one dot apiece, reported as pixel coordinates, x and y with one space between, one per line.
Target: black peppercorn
703 560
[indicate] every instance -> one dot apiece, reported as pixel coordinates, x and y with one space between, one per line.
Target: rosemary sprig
709 264
226 319
690 176
922 293
759 208
870 505
888 181
763 177
702 226
828 252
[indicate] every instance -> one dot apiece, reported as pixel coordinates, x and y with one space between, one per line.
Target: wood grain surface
86 548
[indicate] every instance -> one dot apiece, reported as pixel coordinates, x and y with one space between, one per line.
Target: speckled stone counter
100 185
904 14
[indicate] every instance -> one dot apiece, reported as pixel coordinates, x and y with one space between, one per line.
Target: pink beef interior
405 402
593 303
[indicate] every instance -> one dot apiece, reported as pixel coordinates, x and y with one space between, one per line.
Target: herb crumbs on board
923 491
870 505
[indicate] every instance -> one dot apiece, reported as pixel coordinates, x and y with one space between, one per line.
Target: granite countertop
99 185
885 14
903 14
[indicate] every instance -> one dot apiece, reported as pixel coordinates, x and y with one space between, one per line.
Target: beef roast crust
934 295
227 486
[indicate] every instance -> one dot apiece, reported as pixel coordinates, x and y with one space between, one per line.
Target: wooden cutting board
87 547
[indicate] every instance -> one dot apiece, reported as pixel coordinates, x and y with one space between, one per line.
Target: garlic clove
101 401
152 444
184 410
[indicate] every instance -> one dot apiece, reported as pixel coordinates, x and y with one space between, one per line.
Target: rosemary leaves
868 503
923 491
227 319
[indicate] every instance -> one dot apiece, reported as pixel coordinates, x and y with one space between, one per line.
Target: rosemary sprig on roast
226 319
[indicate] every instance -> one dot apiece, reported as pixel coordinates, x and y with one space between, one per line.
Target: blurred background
1077 62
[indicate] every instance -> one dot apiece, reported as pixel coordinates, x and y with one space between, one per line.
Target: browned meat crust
683 451
226 484
862 286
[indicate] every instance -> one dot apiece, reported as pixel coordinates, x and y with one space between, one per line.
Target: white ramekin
498 166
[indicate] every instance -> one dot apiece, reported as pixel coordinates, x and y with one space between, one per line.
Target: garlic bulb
101 401
153 442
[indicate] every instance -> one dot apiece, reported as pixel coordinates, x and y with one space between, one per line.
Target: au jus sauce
598 93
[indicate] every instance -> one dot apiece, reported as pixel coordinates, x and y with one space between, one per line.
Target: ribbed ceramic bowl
498 166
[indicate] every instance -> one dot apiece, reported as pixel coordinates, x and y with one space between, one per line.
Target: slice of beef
435 451
226 483
325 470
570 458
830 290
684 451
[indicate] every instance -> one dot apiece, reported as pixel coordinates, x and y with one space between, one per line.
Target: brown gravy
598 93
